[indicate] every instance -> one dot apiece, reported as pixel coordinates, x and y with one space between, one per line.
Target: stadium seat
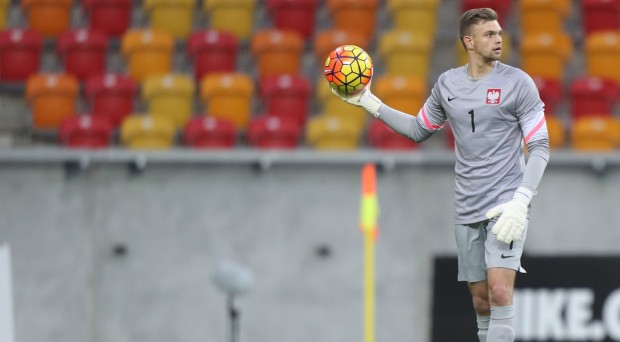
595 133
83 52
286 96
147 52
169 96
20 54
277 52
600 15
99 12
354 15
146 132
414 15
543 16
328 132
86 131
294 15
405 53
228 96
328 40
212 51
602 52
546 55
506 49
175 17
5 6
49 18
332 105
592 96
234 16
502 7
272 132
404 93
383 137
557 132
551 93
52 98
210 132
110 96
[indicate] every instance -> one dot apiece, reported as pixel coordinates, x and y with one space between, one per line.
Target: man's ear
469 42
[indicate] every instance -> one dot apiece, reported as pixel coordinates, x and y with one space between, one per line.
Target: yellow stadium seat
277 52
327 132
228 96
328 40
169 96
354 15
557 132
5 6
146 132
405 93
174 16
546 55
543 16
52 98
597 133
506 49
234 16
405 53
332 105
602 54
414 15
148 52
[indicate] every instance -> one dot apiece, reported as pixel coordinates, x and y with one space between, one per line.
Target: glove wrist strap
524 195
371 104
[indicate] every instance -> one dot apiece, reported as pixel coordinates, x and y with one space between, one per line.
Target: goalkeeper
493 109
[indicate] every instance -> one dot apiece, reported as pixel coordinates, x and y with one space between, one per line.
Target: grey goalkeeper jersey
490 117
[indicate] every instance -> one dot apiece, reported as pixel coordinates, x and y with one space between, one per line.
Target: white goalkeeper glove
364 98
513 214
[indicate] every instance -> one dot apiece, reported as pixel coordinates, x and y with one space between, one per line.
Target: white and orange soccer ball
348 69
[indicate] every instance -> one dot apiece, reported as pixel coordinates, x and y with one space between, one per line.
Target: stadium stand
228 96
592 96
277 52
405 53
210 132
354 15
272 132
334 107
49 18
4 13
234 16
405 93
175 17
546 54
327 40
52 98
286 96
600 15
20 54
83 52
543 16
170 97
147 52
557 132
293 15
595 133
327 132
551 93
602 52
414 15
99 12
381 136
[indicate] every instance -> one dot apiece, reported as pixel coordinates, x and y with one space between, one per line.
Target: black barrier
560 299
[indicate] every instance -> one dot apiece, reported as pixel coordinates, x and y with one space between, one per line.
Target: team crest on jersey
494 96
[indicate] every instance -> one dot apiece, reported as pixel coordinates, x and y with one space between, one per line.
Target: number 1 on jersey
473 125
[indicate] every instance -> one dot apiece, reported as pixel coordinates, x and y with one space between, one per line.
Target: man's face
487 40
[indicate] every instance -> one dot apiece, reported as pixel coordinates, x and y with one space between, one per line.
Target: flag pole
369 213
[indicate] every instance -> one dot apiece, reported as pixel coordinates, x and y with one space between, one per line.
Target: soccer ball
348 69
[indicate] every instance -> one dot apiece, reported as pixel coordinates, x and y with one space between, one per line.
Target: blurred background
151 149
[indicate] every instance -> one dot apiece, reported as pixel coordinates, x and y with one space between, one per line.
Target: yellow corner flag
369 214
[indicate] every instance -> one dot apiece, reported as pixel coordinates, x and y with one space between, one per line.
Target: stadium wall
111 253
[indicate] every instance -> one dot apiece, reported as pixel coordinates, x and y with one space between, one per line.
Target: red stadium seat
99 12
600 15
286 96
502 7
210 132
111 96
85 131
83 52
269 132
550 93
20 54
212 51
381 136
295 15
592 96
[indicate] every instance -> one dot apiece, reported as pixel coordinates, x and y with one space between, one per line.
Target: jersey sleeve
530 111
432 116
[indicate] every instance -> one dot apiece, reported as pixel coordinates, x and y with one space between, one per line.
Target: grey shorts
479 250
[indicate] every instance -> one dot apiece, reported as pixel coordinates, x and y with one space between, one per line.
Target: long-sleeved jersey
490 117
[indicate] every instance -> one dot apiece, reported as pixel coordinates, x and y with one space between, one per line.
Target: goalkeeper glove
363 98
512 216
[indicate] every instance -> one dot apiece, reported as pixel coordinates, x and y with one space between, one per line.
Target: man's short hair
473 17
